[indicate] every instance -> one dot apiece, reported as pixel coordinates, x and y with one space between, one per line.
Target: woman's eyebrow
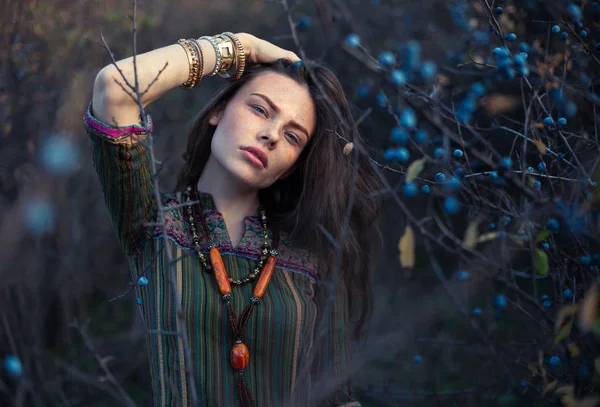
276 108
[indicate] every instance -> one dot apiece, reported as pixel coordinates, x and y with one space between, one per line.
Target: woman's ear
215 117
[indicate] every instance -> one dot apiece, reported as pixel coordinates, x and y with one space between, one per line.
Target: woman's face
272 113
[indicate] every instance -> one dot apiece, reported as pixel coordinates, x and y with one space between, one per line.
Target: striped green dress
297 335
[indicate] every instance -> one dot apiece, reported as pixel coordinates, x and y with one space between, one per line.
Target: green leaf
596 327
542 235
563 332
415 168
541 262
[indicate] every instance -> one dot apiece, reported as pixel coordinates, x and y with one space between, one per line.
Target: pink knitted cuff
113 133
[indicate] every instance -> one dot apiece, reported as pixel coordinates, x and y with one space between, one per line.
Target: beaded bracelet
200 54
193 61
217 52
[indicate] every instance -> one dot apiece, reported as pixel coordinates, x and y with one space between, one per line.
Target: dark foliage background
486 287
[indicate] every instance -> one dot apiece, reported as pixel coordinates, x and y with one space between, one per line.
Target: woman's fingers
260 51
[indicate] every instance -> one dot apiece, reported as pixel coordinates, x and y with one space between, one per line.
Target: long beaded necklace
239 355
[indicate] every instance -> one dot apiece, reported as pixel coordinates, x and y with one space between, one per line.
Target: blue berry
138 300
398 77
507 220
548 121
410 189
492 226
403 154
440 177
568 294
428 70
421 136
537 185
13 366
499 301
353 40
399 135
544 297
408 118
562 121
546 245
478 89
597 46
387 58
547 304
541 166
564 35
530 169
462 275
554 361
477 311
586 260
511 37
458 153
304 23
142 281
439 152
498 10
425 189
552 225
506 162
555 29
453 184
583 34
417 359
451 205
523 383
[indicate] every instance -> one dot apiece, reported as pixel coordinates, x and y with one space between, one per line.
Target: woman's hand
260 51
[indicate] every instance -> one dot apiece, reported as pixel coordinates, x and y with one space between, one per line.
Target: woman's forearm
111 102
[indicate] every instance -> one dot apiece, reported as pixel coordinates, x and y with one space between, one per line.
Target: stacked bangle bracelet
230 58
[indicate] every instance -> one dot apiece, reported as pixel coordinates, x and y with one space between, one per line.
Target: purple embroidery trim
110 132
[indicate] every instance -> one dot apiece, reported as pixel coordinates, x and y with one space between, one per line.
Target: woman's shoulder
174 222
295 257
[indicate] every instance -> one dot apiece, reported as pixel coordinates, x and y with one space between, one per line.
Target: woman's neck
233 203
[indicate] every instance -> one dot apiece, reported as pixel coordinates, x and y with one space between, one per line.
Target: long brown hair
311 204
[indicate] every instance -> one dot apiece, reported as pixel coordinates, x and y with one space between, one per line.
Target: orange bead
265 277
219 270
240 356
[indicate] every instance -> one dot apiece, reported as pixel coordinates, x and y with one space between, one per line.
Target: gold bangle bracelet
201 53
240 56
193 61
200 57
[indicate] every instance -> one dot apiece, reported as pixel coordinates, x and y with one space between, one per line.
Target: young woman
269 229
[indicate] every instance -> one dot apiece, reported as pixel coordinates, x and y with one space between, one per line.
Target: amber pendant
240 356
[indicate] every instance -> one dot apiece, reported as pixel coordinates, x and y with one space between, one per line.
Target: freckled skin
248 120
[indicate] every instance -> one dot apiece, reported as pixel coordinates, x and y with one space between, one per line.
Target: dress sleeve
125 177
333 346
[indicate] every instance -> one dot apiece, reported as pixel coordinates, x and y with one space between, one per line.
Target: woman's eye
293 136
259 109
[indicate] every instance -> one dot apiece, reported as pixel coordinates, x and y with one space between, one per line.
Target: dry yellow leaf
471 235
541 146
587 315
407 248
550 386
574 350
564 313
348 148
499 103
